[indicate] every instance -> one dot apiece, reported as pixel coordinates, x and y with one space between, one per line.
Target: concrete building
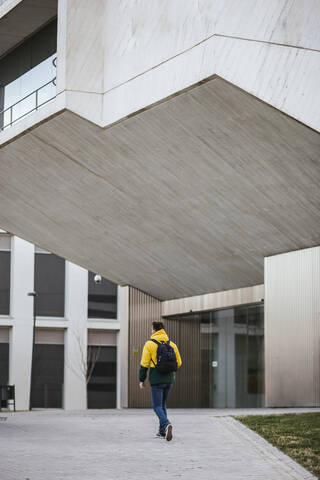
76 320
174 149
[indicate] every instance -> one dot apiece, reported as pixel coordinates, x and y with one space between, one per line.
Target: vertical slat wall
185 332
143 310
292 329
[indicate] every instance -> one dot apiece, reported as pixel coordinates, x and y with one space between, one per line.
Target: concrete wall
292 328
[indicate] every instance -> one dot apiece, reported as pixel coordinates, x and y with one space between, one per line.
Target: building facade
174 150
75 359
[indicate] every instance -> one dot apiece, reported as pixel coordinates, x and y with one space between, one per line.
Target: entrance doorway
223 358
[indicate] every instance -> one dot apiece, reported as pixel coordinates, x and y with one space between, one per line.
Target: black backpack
166 357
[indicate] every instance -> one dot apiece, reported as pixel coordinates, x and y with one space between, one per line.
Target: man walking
163 358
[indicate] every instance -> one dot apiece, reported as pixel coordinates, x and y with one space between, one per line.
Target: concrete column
123 346
76 312
21 309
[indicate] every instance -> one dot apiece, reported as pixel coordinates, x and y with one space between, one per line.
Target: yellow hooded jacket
149 360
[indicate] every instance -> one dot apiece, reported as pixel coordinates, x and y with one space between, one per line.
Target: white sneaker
169 432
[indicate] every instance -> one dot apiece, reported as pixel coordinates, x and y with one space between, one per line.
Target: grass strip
296 434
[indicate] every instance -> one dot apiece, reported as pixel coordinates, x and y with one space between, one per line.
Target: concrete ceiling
184 198
24 20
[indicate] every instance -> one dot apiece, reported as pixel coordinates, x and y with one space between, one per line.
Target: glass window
230 371
49 284
102 298
5 258
48 368
20 89
102 368
28 67
4 363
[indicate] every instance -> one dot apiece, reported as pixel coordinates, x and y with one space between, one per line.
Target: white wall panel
292 328
211 301
76 338
21 308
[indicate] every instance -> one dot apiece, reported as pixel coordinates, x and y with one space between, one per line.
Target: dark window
102 298
33 57
49 285
102 364
4 363
5 259
47 383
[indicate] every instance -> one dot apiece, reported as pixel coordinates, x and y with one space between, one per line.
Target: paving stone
120 445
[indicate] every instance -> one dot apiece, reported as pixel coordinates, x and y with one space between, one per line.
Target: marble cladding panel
284 77
7 5
288 22
139 35
137 53
84 49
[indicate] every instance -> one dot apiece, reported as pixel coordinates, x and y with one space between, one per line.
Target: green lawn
297 435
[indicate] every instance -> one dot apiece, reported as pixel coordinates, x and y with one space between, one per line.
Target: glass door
236 357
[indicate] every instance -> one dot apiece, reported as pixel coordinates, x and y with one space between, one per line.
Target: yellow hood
160 336
149 354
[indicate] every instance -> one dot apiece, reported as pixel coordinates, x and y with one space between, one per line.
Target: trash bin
7 396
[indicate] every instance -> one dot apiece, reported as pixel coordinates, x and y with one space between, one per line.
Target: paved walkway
119 445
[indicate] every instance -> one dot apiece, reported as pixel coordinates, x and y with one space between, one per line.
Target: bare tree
92 358
84 364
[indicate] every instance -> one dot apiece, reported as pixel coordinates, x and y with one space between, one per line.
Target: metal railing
38 103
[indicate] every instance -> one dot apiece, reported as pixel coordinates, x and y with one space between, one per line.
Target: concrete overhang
20 19
183 198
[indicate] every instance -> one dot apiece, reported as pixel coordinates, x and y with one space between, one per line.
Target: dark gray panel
49 285
5 258
4 363
102 385
102 298
47 376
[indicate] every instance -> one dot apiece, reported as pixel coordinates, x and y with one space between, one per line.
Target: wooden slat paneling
143 310
185 332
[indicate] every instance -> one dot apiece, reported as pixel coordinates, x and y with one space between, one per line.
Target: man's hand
142 385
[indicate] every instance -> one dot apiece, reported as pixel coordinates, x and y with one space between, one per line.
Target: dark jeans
159 394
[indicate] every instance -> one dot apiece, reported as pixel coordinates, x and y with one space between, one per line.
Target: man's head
157 326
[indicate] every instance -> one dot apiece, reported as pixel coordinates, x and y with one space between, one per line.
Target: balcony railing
27 104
